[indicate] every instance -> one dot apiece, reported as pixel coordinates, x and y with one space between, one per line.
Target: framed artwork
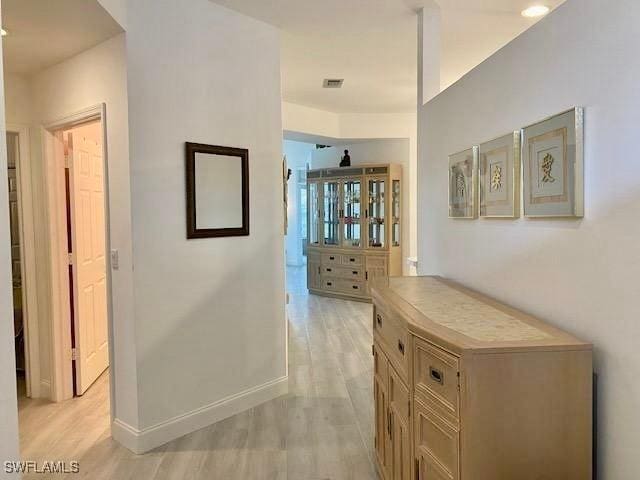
463 179
217 191
553 166
499 177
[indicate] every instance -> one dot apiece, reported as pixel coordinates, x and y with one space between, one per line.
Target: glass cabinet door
351 214
376 230
395 214
331 212
314 214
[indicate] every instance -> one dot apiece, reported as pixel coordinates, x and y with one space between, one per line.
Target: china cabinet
354 228
466 388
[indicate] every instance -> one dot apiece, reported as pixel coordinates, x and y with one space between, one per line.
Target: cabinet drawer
331 258
352 260
398 396
330 284
354 273
439 440
350 287
436 379
392 332
377 262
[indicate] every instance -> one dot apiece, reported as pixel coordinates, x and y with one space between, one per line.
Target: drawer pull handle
328 269
355 272
332 258
401 347
379 320
352 259
355 287
329 284
436 375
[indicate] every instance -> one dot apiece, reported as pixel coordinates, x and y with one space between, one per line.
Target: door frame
27 260
55 203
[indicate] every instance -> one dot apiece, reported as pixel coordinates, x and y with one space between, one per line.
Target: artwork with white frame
499 177
553 166
463 181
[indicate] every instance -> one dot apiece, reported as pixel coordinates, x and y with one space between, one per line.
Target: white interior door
87 199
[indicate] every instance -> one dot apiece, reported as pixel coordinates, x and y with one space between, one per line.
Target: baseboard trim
141 441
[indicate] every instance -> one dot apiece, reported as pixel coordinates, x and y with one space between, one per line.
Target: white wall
17 92
8 400
209 313
117 9
298 156
581 275
303 119
377 151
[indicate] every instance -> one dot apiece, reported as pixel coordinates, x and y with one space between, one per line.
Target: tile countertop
467 320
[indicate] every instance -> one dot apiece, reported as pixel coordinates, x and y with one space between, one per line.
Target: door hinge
67 161
373 350
409 407
70 258
366 275
74 354
417 466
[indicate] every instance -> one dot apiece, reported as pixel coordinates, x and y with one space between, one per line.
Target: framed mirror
217 191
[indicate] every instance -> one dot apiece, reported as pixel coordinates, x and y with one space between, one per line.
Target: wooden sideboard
466 388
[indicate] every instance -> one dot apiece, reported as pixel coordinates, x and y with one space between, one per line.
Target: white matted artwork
499 174
462 184
553 166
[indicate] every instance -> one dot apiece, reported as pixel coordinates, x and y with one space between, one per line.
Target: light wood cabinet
399 431
475 390
392 428
354 228
380 392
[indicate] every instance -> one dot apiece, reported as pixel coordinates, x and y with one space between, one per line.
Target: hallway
321 430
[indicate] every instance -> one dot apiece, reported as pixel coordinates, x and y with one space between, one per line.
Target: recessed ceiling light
4 32
535 11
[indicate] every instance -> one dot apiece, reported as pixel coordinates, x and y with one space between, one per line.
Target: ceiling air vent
333 82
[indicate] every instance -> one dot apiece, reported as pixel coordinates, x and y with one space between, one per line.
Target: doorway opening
78 285
15 224
76 173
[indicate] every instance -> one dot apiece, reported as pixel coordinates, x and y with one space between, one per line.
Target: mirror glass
218 191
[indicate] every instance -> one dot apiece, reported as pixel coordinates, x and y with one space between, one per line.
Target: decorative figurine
346 160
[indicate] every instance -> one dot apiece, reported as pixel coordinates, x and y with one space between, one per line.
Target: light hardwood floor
322 430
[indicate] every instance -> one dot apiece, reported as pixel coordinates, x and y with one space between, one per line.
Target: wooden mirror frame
192 230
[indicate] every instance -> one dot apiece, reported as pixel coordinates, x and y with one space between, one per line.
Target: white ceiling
372 45
45 32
